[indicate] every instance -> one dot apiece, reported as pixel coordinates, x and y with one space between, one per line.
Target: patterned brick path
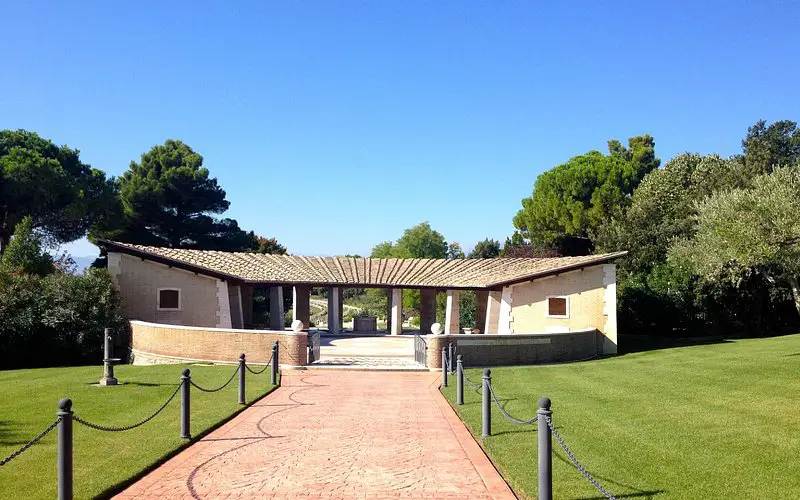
335 435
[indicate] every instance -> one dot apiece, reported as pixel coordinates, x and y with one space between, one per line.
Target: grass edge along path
107 462
707 421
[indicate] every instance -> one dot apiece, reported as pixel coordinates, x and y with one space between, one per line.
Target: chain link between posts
263 369
508 417
30 443
132 426
575 462
220 387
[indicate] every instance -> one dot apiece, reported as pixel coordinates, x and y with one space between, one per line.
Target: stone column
334 309
301 307
452 313
276 319
481 304
397 311
427 310
388 310
492 312
247 305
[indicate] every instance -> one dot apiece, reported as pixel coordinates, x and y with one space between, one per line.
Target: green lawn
104 461
710 421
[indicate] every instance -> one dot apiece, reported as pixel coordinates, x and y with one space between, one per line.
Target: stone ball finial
437 329
298 326
544 403
185 372
65 404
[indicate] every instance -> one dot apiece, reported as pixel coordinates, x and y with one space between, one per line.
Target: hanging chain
128 427
30 443
508 417
220 387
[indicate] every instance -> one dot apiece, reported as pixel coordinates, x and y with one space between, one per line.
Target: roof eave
552 272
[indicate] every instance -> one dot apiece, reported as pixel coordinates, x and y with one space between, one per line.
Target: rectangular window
558 307
169 299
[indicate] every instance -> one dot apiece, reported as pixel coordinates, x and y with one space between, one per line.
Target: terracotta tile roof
324 271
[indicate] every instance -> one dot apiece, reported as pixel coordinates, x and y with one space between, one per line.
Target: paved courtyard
335 434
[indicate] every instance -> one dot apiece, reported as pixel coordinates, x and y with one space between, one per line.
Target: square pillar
397 311
452 313
335 301
481 304
492 311
388 310
247 305
427 310
301 306
276 319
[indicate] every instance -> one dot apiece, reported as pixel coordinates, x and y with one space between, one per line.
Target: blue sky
336 125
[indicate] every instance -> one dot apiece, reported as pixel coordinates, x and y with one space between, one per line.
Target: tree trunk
795 292
5 238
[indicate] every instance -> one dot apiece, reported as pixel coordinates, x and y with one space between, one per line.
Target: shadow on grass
8 436
630 344
605 481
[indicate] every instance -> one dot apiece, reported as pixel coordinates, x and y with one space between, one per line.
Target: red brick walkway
335 434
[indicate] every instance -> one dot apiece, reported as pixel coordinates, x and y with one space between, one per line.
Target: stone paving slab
335 434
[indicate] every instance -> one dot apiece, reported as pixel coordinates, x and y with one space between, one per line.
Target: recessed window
558 307
169 299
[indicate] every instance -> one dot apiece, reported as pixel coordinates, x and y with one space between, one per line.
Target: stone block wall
516 349
160 344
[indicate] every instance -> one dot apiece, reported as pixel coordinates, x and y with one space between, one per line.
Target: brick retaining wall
153 343
516 349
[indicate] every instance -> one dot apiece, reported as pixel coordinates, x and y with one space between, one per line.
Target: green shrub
58 319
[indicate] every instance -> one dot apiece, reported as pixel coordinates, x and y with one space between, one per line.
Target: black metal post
186 425
444 367
459 381
241 379
65 449
450 357
273 377
486 405
545 451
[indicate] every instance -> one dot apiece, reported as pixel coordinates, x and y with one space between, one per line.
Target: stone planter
365 323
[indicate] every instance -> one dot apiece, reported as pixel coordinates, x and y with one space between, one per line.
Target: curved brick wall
154 343
516 348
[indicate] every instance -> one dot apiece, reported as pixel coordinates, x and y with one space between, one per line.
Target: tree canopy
49 184
419 241
485 249
768 146
575 198
748 229
169 199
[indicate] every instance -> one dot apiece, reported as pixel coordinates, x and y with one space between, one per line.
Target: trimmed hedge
58 319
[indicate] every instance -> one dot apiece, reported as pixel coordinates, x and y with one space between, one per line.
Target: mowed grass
711 421
104 461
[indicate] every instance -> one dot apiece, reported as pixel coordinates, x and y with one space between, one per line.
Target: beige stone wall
171 343
591 293
139 280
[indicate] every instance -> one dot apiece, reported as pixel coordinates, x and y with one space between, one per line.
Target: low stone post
486 404
186 380
444 367
108 360
450 357
545 451
459 381
241 379
273 376
65 449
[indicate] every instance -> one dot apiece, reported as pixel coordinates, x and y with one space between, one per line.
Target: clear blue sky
336 125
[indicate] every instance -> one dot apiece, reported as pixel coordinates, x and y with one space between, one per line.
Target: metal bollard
241 379
545 452
186 380
444 367
459 381
65 449
450 357
273 377
486 405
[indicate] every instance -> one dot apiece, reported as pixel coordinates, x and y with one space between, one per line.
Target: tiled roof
322 271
